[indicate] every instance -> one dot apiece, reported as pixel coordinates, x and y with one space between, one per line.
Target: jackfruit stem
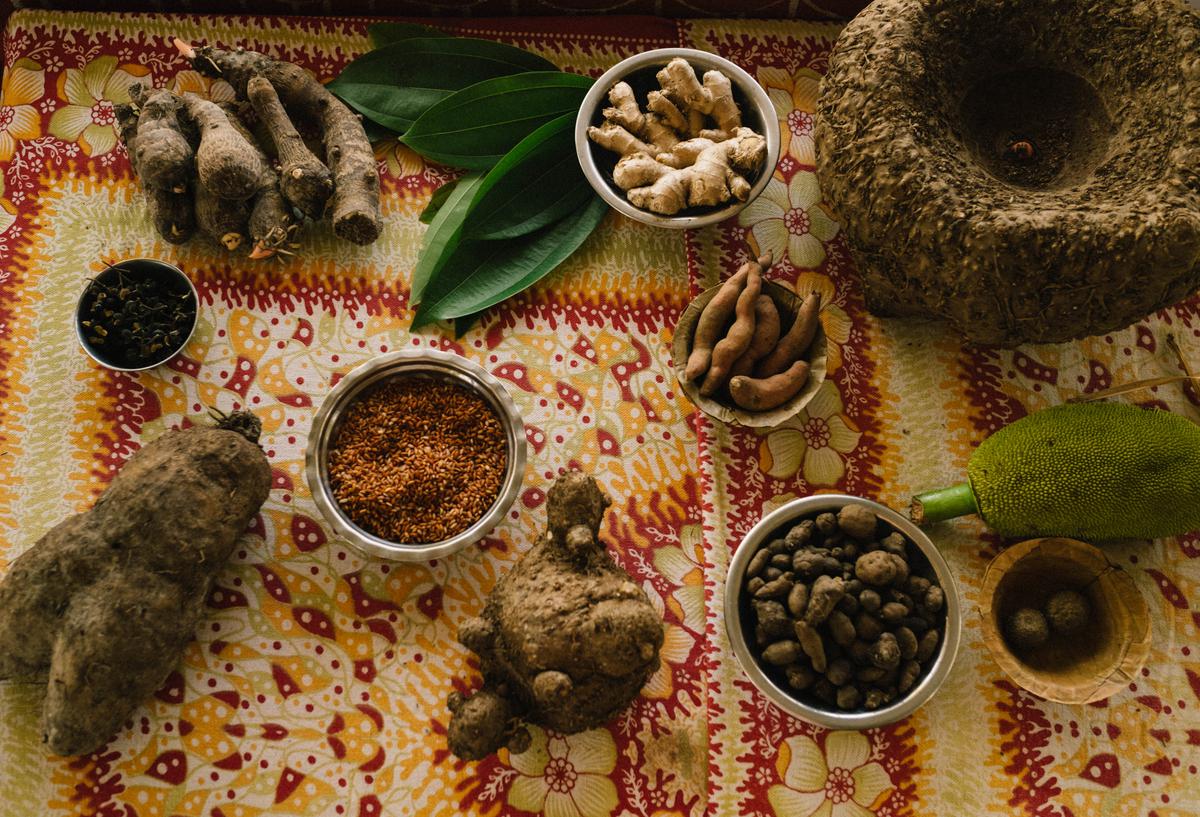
945 503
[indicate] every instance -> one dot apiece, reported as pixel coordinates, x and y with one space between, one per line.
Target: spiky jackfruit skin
1090 471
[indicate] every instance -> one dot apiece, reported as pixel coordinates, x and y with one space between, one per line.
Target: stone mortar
1028 170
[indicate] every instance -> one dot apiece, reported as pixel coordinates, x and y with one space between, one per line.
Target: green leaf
463 324
436 201
476 126
479 274
536 183
395 84
382 34
444 233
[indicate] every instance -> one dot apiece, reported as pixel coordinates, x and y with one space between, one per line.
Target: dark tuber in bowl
739 623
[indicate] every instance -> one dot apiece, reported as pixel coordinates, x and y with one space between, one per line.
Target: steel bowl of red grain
415 455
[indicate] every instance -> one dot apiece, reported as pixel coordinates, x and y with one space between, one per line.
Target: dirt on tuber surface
566 640
271 222
103 605
163 152
227 164
944 218
304 180
170 208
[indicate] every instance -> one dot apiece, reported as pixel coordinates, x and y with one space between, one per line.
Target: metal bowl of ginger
654 101
415 454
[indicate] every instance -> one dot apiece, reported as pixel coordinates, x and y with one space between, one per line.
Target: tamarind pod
303 180
737 340
766 335
795 341
716 314
764 394
712 320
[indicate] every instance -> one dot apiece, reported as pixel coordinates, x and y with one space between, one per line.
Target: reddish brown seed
418 461
1022 150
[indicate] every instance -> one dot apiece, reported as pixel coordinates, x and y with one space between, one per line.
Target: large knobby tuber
103 605
566 639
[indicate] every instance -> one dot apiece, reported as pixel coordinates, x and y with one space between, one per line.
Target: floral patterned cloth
317 684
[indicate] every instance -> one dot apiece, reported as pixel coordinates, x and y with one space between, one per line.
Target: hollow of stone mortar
1038 127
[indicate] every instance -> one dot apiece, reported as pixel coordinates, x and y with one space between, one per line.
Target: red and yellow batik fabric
317 685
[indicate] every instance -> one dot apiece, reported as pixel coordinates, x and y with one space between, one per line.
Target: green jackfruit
1084 470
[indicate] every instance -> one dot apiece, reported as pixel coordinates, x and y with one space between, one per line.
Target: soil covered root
102 606
354 204
567 639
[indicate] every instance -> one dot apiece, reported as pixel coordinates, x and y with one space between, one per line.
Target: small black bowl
169 286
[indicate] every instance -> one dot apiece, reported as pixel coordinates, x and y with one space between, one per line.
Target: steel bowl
432 365
597 163
740 631
141 268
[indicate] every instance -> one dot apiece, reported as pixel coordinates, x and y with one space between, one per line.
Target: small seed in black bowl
136 314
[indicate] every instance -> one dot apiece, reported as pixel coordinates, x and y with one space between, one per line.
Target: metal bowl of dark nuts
842 612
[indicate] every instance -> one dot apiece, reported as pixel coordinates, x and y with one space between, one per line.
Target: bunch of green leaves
505 115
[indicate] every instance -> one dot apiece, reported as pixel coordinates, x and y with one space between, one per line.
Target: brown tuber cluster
687 149
102 606
203 167
739 343
842 613
566 640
